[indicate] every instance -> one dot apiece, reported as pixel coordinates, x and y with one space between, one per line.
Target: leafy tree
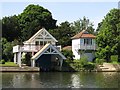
108 38
6 50
83 24
7 47
10 28
63 33
68 54
98 28
33 18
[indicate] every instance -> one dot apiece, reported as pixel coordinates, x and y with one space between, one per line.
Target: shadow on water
65 67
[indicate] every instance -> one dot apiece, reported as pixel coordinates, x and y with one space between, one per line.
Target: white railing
27 48
88 47
30 48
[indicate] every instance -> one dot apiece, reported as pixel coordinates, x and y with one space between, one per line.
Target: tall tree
83 24
108 38
10 28
63 33
33 18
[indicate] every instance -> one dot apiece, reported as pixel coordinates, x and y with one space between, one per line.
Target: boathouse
42 46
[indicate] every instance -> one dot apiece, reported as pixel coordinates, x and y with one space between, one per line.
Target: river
60 80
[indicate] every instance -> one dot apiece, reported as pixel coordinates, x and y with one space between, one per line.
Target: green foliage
33 18
83 24
63 34
84 60
108 38
27 59
83 64
10 28
89 66
2 61
68 54
77 65
23 26
7 50
99 61
114 58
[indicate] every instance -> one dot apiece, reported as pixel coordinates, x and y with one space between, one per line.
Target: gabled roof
83 34
38 33
45 48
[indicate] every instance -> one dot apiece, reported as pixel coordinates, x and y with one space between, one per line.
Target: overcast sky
64 11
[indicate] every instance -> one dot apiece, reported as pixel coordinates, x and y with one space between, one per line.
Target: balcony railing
87 47
30 48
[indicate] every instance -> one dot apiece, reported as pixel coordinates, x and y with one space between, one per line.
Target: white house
42 46
83 44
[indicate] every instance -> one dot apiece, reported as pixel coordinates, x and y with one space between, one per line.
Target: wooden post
33 63
15 57
32 53
19 59
61 62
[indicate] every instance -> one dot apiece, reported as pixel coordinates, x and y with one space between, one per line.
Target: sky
64 11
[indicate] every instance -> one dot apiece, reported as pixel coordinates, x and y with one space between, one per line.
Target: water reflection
75 81
61 80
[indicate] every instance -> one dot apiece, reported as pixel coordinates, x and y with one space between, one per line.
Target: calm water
61 80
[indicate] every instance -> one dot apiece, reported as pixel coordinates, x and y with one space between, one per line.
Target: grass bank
9 64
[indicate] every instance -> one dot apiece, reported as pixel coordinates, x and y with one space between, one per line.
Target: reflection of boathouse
45 53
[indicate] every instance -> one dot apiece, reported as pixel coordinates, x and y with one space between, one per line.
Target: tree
33 18
108 38
6 50
98 28
83 24
7 47
63 33
10 28
68 54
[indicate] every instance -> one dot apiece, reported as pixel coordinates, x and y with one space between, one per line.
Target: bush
68 54
114 58
89 66
77 64
26 58
84 60
2 61
99 61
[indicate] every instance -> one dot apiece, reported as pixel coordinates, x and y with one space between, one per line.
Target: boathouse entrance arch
48 58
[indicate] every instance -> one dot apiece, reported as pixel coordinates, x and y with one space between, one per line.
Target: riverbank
36 69
19 69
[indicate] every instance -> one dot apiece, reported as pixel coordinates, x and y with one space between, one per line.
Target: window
49 41
37 43
41 43
45 42
87 41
